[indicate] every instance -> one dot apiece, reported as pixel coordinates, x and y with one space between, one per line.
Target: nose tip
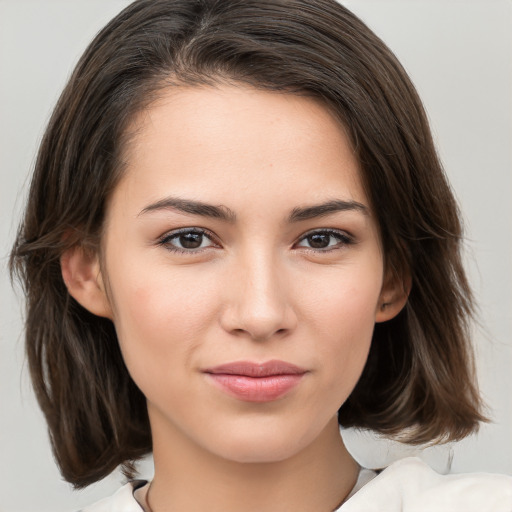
261 326
258 306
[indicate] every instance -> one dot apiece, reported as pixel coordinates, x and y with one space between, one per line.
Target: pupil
191 240
318 241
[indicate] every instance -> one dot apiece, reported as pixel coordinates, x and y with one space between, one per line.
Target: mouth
256 382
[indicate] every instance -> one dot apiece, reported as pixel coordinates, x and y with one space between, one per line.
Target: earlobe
393 297
82 276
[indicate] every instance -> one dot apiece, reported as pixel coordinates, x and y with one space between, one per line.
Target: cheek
344 300
343 317
160 317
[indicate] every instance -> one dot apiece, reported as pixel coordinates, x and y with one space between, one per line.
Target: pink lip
256 382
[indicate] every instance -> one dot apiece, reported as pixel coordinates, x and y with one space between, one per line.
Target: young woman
239 237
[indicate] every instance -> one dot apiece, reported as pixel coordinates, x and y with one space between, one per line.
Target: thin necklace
147 506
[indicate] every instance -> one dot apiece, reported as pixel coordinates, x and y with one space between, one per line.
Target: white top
408 485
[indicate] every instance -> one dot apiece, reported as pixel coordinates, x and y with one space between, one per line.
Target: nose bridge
259 302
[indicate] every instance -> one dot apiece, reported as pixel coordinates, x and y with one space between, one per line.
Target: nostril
260 313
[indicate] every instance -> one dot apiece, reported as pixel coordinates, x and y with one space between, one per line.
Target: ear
82 276
393 297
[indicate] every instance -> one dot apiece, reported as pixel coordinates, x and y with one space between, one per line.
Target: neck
318 478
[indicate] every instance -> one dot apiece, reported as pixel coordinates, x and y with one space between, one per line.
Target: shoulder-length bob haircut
418 382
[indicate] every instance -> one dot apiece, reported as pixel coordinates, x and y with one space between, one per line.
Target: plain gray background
458 53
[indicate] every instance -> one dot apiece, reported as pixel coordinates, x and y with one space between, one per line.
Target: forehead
238 143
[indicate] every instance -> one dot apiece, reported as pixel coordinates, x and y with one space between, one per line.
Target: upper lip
250 369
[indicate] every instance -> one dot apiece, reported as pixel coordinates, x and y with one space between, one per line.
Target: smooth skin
240 231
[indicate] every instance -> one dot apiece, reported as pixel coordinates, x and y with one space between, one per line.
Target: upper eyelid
168 235
191 229
333 231
212 237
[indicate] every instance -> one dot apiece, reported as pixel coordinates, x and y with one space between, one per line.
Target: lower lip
256 389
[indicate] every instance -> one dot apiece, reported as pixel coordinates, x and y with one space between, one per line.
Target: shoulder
410 485
121 501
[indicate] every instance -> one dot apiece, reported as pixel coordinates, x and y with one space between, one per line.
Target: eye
325 240
188 240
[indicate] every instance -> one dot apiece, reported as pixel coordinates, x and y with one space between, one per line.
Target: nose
258 299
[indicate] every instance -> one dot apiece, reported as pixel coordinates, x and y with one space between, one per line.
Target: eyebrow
192 207
321 210
224 213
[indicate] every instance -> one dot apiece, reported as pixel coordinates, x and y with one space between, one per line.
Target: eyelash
165 240
343 238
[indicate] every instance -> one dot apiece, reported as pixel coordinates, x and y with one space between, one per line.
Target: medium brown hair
419 375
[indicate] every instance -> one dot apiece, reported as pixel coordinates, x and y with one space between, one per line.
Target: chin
259 454
261 447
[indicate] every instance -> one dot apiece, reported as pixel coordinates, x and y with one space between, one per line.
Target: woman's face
244 269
